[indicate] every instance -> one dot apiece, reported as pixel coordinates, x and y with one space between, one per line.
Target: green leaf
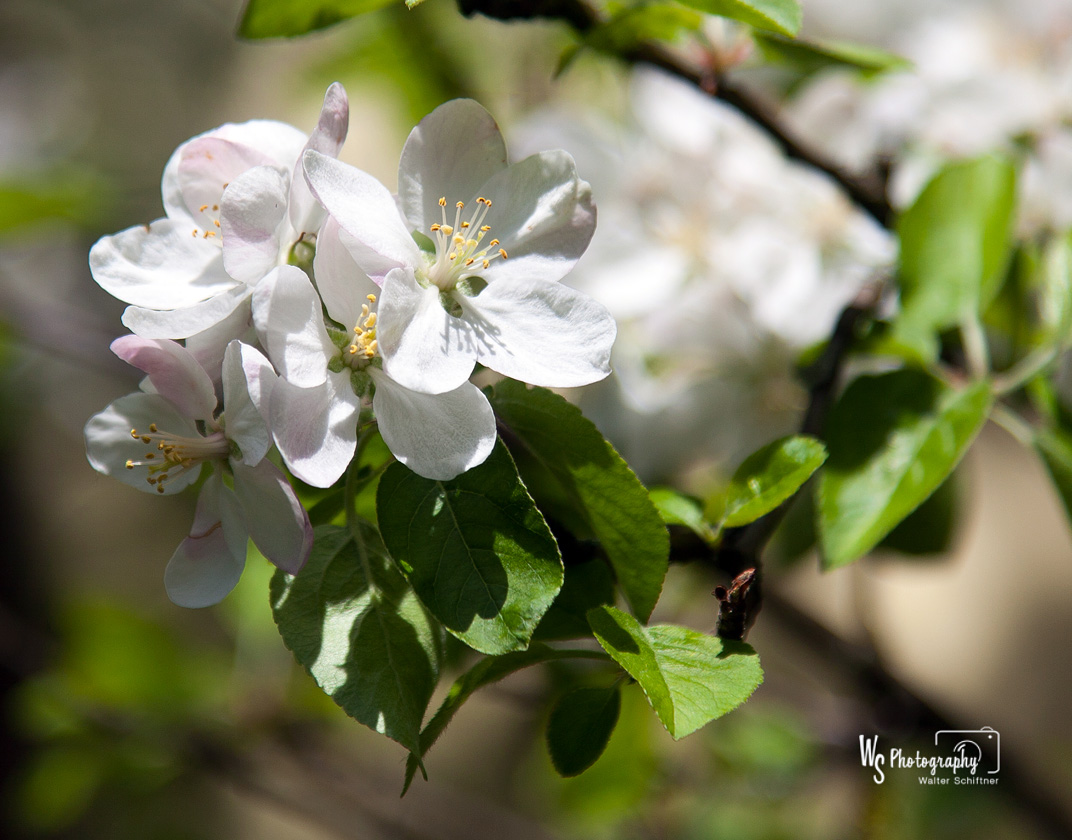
689 678
486 671
1055 447
644 22
476 550
586 585
556 441
357 627
955 245
808 57
580 726
678 509
66 194
929 528
769 476
782 16
1055 292
287 18
893 439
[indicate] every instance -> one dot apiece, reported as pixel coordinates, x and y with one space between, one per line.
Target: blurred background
128 717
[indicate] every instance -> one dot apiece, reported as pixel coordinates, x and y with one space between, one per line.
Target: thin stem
1026 369
1014 424
353 486
976 352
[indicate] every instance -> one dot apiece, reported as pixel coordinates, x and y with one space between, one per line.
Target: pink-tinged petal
342 285
289 320
366 210
227 310
316 428
247 382
450 154
208 165
424 348
541 333
279 142
437 436
174 372
109 443
252 217
306 215
209 345
208 563
543 216
159 266
277 522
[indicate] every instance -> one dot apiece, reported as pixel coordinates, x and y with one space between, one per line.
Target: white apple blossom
158 442
236 206
720 259
496 238
316 402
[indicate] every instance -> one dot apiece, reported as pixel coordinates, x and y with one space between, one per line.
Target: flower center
209 217
175 454
459 247
364 347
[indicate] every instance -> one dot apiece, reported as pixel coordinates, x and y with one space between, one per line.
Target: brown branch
867 190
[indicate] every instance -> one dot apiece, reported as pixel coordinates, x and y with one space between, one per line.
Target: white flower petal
316 428
423 347
209 345
247 380
227 310
289 320
364 209
253 214
543 216
277 522
541 333
450 154
173 371
109 444
342 285
437 436
306 215
159 266
207 166
280 142
208 563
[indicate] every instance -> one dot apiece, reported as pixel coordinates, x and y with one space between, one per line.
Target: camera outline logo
969 743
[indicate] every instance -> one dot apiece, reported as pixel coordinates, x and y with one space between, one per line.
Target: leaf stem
353 486
1026 369
976 353
1014 424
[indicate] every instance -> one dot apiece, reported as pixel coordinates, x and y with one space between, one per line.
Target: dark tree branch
867 191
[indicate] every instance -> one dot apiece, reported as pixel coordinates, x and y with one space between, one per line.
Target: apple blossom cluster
288 299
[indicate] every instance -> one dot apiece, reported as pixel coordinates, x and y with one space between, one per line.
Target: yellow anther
452 256
460 205
465 224
470 261
370 298
216 222
459 239
482 200
202 208
195 233
493 243
486 263
435 227
447 229
470 243
443 202
353 349
215 207
371 321
130 464
502 253
485 228
153 428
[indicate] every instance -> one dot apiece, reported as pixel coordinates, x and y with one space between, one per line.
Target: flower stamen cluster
176 451
456 250
365 344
